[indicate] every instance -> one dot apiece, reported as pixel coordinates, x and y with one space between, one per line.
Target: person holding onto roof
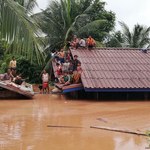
90 43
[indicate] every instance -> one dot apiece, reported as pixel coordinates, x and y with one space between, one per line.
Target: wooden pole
62 126
118 130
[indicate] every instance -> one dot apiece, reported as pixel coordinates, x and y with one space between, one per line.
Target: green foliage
114 40
30 71
148 133
64 18
20 30
148 138
138 38
27 4
4 63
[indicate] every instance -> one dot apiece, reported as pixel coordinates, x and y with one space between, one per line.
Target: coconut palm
64 18
19 30
138 38
114 39
27 4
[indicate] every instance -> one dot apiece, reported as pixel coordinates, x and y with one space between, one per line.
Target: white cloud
129 11
42 4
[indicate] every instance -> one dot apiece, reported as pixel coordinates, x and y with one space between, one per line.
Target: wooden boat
11 90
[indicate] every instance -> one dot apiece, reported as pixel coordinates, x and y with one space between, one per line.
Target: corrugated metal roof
114 68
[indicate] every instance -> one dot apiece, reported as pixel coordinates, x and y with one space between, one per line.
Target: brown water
24 124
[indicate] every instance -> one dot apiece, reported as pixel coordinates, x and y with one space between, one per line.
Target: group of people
11 75
69 71
82 43
68 68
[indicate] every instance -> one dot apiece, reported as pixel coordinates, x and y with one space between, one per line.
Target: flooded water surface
52 122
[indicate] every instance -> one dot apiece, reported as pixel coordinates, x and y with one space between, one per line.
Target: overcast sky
129 11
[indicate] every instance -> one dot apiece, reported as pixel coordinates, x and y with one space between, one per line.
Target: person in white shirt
66 65
82 43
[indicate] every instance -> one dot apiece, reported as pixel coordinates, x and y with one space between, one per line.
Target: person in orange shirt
90 43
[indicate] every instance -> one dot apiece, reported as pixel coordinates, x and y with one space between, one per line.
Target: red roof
114 68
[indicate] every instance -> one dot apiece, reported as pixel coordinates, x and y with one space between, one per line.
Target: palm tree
138 38
19 30
27 4
64 18
115 39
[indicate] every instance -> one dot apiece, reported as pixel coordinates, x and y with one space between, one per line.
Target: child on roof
66 78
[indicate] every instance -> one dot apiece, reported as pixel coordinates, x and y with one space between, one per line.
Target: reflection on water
133 143
24 124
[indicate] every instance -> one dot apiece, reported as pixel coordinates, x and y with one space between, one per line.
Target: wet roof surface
114 68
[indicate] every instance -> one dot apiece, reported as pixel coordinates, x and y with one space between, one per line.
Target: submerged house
113 70
11 90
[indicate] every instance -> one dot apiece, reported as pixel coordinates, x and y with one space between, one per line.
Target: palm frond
20 30
127 34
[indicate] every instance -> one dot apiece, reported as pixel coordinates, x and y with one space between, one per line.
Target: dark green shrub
31 72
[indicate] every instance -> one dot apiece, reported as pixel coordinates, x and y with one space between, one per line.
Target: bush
31 72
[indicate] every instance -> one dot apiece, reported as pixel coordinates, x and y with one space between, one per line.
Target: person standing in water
45 82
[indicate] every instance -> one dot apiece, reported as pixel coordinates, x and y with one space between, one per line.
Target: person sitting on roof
61 56
75 42
90 43
58 71
18 79
65 65
82 43
75 62
65 79
77 74
71 67
68 55
8 75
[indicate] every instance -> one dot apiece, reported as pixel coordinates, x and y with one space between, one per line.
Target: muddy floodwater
52 122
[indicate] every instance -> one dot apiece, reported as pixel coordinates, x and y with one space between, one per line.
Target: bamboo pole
62 126
118 130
